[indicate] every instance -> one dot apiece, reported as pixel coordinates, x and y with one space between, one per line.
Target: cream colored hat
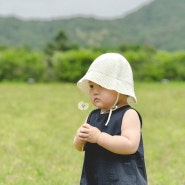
111 71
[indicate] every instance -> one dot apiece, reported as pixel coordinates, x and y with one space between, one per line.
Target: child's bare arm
79 145
129 140
127 143
78 142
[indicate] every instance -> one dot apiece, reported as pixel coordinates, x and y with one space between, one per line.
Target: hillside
160 23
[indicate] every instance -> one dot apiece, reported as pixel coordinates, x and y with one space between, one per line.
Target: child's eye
91 86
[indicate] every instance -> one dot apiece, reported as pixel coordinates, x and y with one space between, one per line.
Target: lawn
38 123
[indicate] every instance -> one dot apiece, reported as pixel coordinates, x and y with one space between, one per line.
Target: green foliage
179 65
59 43
156 66
71 65
20 65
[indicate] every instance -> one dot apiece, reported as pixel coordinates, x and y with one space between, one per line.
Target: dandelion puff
83 105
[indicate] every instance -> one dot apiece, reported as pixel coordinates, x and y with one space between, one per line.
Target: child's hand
88 133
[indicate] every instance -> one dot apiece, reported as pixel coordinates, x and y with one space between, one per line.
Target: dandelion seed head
83 105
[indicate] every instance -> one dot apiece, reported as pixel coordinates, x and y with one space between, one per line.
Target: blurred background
50 34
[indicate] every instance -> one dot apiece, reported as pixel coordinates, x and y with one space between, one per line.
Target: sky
51 9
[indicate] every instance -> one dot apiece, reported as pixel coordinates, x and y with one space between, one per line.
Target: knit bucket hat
111 71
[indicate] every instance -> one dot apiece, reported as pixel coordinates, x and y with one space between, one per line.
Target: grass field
38 123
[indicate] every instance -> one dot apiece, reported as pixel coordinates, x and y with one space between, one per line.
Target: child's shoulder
134 111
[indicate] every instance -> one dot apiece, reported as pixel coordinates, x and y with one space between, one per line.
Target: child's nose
96 90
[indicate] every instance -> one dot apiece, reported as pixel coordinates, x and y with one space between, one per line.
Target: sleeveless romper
102 167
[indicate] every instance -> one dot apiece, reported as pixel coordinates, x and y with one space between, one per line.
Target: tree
59 43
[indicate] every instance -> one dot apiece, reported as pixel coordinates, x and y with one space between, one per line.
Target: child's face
101 97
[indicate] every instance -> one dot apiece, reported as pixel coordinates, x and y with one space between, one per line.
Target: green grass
38 123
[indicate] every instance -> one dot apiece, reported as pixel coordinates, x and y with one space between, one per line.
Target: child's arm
78 142
127 143
79 145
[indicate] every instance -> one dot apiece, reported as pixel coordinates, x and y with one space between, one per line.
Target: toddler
111 136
